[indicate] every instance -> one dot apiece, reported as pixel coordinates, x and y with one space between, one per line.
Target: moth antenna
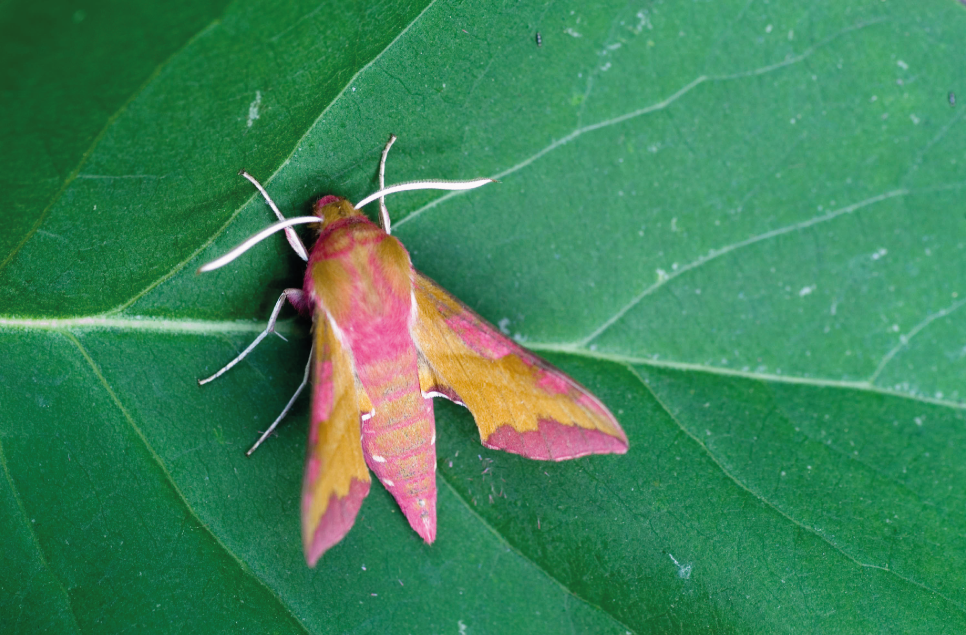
288 406
383 212
424 185
254 240
290 234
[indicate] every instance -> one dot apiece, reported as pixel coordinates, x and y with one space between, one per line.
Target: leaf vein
727 249
33 535
76 172
511 547
906 338
171 482
864 386
661 105
221 230
774 507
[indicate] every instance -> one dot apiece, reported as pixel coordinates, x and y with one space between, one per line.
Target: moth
386 341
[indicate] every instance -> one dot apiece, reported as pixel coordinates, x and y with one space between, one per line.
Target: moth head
333 208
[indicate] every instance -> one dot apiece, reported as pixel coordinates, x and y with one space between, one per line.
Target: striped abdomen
398 441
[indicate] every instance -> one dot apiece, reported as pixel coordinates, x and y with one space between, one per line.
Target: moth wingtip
312 557
322 531
428 533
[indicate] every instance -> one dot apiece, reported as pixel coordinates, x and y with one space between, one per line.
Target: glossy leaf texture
739 223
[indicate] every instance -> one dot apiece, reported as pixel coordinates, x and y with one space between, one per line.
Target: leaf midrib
291 327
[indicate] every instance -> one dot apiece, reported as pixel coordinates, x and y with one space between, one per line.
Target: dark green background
740 223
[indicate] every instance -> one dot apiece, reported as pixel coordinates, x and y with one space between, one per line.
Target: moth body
361 280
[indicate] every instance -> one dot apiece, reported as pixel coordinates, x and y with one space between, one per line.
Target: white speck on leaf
684 571
504 326
569 31
644 22
253 108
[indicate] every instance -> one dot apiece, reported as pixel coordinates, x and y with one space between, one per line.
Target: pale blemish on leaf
253 108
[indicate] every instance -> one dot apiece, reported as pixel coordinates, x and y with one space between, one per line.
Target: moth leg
383 212
288 406
293 238
295 296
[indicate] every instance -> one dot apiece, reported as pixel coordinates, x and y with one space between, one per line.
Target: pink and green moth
386 340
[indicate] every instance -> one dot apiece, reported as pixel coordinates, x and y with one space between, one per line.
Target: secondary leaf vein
727 249
785 515
661 105
170 479
75 173
221 230
510 546
905 339
33 535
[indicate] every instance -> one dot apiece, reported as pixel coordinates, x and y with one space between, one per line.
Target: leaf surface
741 227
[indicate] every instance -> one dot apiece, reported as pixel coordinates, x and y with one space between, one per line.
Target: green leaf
740 224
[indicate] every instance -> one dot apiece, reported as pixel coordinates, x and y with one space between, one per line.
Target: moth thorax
333 208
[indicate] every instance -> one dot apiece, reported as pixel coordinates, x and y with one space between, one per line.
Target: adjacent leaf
740 227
